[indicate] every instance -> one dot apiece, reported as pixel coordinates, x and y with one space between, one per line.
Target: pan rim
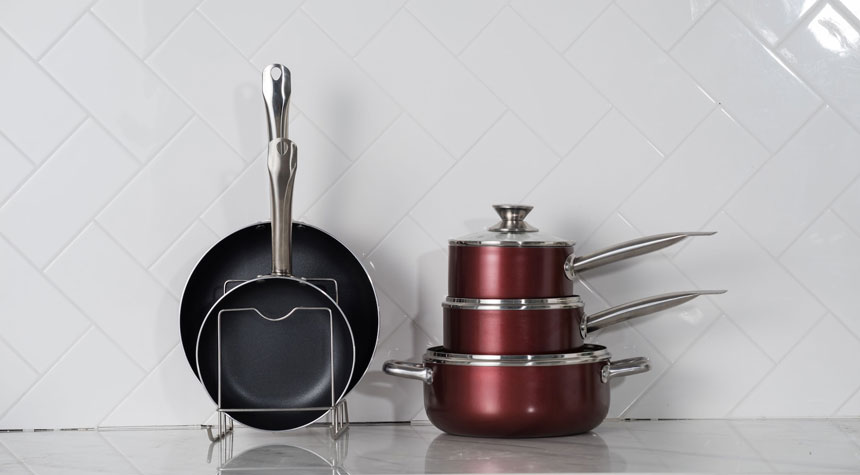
195 369
280 277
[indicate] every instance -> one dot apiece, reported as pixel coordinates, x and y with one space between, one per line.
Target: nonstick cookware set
279 320
514 362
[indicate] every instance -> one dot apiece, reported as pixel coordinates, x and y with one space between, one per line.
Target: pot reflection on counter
581 453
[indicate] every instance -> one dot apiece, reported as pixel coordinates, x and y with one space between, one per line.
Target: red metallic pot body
496 331
516 401
500 272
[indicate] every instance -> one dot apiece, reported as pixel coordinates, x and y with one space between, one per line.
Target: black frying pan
276 342
316 256
276 352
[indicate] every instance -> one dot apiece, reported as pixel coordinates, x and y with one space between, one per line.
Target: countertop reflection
774 446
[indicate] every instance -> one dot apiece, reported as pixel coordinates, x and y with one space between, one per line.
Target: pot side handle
641 307
625 250
405 369
625 367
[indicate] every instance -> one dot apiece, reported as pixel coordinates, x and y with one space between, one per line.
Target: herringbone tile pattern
132 132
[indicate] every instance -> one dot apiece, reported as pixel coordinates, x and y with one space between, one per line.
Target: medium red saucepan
537 326
517 396
512 259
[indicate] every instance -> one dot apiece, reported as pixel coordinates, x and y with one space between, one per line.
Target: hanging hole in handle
276 73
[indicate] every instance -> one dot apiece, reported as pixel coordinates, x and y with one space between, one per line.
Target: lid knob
513 219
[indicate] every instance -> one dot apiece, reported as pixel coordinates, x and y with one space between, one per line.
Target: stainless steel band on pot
513 304
586 354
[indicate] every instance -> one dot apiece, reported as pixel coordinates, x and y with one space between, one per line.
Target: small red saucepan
538 326
517 396
512 259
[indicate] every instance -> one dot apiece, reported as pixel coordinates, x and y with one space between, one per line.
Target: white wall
132 132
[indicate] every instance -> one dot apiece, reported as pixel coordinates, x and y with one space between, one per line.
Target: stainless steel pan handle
405 369
282 163
625 250
276 94
640 307
625 367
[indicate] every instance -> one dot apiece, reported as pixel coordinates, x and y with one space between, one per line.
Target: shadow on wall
402 399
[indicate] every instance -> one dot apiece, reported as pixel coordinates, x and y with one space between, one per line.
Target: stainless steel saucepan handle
625 367
282 162
641 307
625 250
276 94
405 369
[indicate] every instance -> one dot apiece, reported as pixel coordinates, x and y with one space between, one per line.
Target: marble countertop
738 446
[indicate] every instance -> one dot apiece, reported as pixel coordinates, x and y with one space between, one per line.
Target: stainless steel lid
511 231
585 354
513 304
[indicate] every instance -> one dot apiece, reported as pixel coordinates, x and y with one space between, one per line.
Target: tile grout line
588 80
686 30
5 341
653 385
722 310
269 37
751 446
120 189
506 108
119 452
42 376
801 21
372 79
38 166
89 115
562 159
776 363
152 50
771 155
62 35
17 458
813 221
403 6
161 362
710 95
30 160
432 187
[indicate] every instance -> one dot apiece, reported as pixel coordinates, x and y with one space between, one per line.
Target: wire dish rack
337 411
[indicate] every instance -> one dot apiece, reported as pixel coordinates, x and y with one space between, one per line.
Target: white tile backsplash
745 77
534 81
125 96
640 79
62 194
132 137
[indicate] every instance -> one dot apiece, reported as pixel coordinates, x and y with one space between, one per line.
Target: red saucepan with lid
513 259
517 396
538 326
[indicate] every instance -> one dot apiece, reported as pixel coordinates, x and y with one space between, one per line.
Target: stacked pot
514 362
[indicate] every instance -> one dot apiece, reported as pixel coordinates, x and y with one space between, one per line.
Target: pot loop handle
405 369
625 367
636 247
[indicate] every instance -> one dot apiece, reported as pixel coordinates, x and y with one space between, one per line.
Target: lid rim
587 354
553 303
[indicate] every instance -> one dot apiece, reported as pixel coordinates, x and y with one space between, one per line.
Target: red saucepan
537 326
517 396
512 259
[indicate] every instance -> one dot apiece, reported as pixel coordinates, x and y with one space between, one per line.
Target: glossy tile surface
786 446
132 138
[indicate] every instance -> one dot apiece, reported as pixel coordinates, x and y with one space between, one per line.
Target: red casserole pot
537 326
517 396
512 259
